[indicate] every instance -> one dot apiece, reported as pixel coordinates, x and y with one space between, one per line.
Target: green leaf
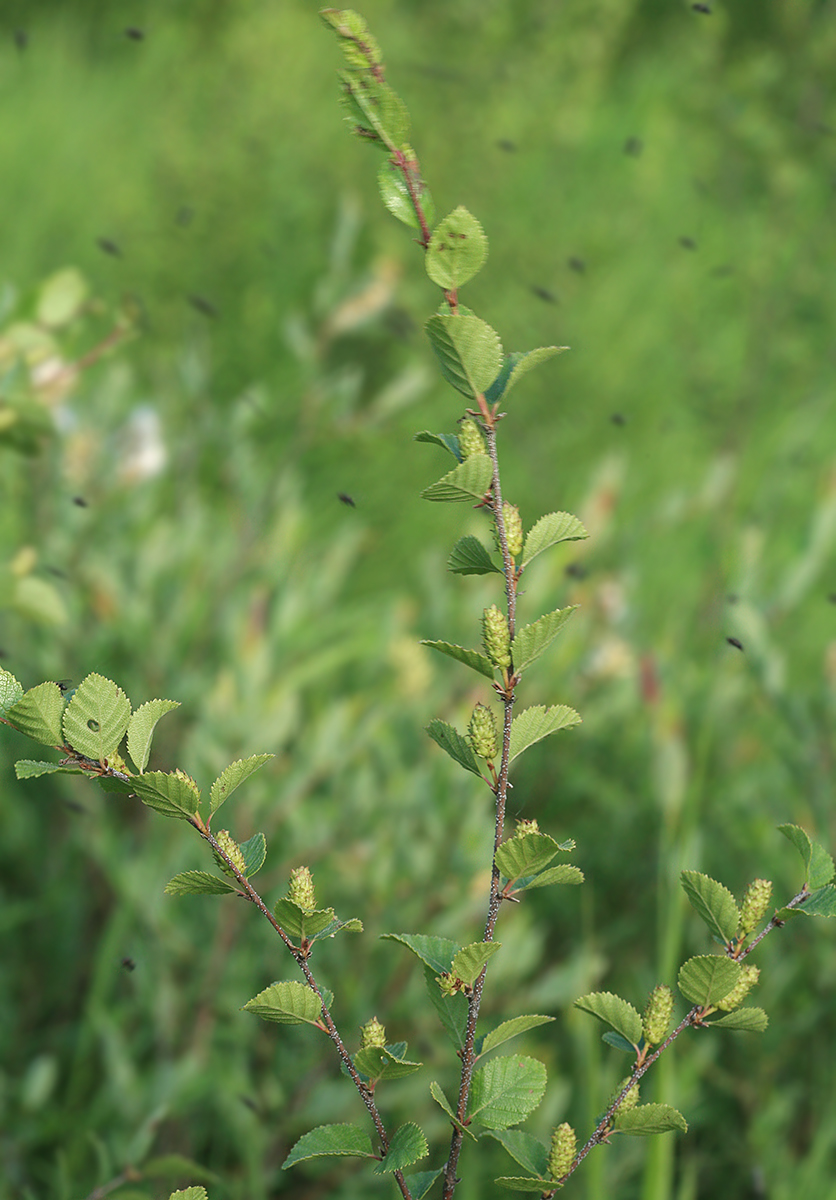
470 557
27 768
312 926
510 1029
748 1020
802 843
706 979
821 868
522 1183
356 41
289 1003
255 852
198 883
408 1144
516 365
564 873
505 1091
468 962
141 729
232 777
170 794
533 724
38 714
330 1139
548 531
714 903
379 1062
450 740
396 196
96 718
452 1010
61 297
524 1149
190 1193
448 441
821 903
471 658
647 1119
519 856
375 108
615 1012
468 481
440 1099
530 641
10 691
435 952
617 1041
458 249
38 600
420 1182
469 352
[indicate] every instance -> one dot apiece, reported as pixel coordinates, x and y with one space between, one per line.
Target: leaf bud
449 984
656 1018
470 439
301 891
233 851
741 989
630 1100
496 637
562 1151
754 906
525 827
482 734
372 1034
513 529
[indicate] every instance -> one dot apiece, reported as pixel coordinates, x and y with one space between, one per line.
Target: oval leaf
141 729
533 724
553 528
530 641
289 1003
747 1020
10 691
171 795
451 741
516 365
232 777
714 903
468 963
452 1010
469 352
38 714
448 441
26 768
505 1091
398 199
198 883
458 249
821 868
564 873
821 903
378 1062
470 557
96 718
408 1144
802 843
525 855
255 852
511 1029
471 658
330 1139
468 481
615 1012
435 952
707 978
647 1119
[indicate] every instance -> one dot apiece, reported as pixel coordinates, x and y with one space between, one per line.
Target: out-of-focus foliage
657 184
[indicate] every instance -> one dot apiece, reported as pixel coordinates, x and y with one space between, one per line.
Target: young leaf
448 441
172 795
530 641
471 658
564 873
510 1029
516 365
505 1091
519 856
714 903
450 740
408 1144
452 1010
397 198
96 718
470 557
141 729
615 1012
821 903
379 1062
440 1099
27 768
524 1149
821 868
647 1119
468 963
330 1139
708 978
10 691
289 1003
195 1192
232 777
298 923
435 952
749 1020
802 843
469 352
420 1182
352 925
468 481
457 250
533 724
548 531
198 883
255 852
38 714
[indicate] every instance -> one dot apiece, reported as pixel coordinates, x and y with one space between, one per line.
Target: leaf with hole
97 717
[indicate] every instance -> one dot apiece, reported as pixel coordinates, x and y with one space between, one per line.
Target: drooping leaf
380 1062
452 1010
510 1029
613 1011
288 1003
170 794
749 1020
471 658
440 1099
448 441
564 873
469 352
396 195
470 557
141 730
26 768
527 855
458 249
408 1144
420 1182
517 364
97 717
821 903
330 1139
548 531
820 871
435 952
468 962
533 724
198 883
255 852
647 1119
714 903
617 1041
38 714
451 741
505 1091
232 777
468 481
802 843
524 1149
10 691
707 978
530 641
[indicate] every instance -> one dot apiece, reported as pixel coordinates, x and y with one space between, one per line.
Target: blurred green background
658 186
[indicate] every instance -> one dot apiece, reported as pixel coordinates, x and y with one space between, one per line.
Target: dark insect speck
136 35
79 502
736 642
832 597
701 8
508 146
687 243
732 597
633 146
577 264
109 247
129 964
202 305
618 419
63 685
21 39
184 216
544 294
346 499
577 570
